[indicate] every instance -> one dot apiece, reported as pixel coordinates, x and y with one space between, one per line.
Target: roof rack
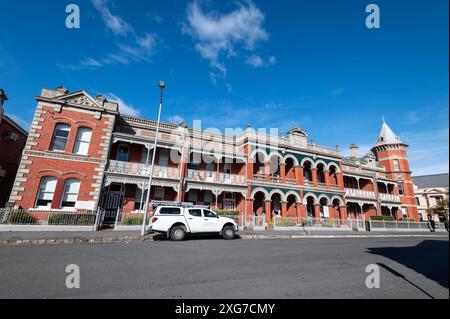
157 203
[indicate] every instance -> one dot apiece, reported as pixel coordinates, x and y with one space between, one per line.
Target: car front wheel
177 233
228 232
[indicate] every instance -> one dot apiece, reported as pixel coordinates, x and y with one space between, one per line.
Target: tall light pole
162 86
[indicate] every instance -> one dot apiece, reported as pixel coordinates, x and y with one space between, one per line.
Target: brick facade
252 173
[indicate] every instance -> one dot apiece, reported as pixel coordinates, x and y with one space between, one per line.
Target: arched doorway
259 203
307 171
291 206
321 173
324 209
275 205
337 209
310 201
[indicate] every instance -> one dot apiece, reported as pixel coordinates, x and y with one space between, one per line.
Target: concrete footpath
54 238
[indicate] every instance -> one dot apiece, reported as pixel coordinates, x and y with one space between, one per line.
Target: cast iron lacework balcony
389 198
359 193
259 177
215 177
137 169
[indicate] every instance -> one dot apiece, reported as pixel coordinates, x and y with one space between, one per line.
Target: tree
441 209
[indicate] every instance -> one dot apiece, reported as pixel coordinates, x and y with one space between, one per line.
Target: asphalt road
213 268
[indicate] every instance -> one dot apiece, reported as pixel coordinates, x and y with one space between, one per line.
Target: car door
211 222
195 220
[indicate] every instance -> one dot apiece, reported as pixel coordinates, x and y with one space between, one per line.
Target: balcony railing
389 198
359 193
291 181
137 169
259 177
215 177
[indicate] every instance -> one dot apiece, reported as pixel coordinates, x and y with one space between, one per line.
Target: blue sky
267 63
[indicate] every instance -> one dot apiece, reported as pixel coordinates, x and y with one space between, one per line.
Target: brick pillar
314 176
57 197
344 212
331 211
340 181
299 175
301 210
250 169
267 171
268 204
249 203
327 177
317 211
283 208
283 172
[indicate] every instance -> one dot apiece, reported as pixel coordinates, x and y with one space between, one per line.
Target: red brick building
83 154
12 142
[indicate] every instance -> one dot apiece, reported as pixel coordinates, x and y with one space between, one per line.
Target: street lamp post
162 85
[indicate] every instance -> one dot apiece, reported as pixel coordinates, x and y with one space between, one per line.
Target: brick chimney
3 98
354 151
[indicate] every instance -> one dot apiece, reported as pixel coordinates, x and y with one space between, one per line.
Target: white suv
176 222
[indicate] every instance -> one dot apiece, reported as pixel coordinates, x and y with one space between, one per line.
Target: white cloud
428 151
124 108
114 23
176 119
130 48
257 62
218 34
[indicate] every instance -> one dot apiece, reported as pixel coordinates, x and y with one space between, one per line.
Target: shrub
72 219
385 218
132 220
22 218
227 213
284 222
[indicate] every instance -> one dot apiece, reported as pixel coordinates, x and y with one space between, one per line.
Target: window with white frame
70 193
60 137
46 192
83 140
396 165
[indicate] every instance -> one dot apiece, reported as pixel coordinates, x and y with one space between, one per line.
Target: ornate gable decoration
79 98
82 100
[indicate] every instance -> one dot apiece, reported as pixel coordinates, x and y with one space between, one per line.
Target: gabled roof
387 136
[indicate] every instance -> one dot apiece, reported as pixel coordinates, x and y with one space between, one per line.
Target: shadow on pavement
429 258
162 237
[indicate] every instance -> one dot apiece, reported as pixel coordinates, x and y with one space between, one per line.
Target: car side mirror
218 216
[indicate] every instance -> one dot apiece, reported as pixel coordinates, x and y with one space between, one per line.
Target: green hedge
132 220
22 218
73 219
227 212
385 218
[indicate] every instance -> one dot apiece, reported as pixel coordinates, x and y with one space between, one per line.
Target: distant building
12 142
429 189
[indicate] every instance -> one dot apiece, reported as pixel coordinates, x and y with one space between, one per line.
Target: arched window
83 140
46 192
60 137
70 193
